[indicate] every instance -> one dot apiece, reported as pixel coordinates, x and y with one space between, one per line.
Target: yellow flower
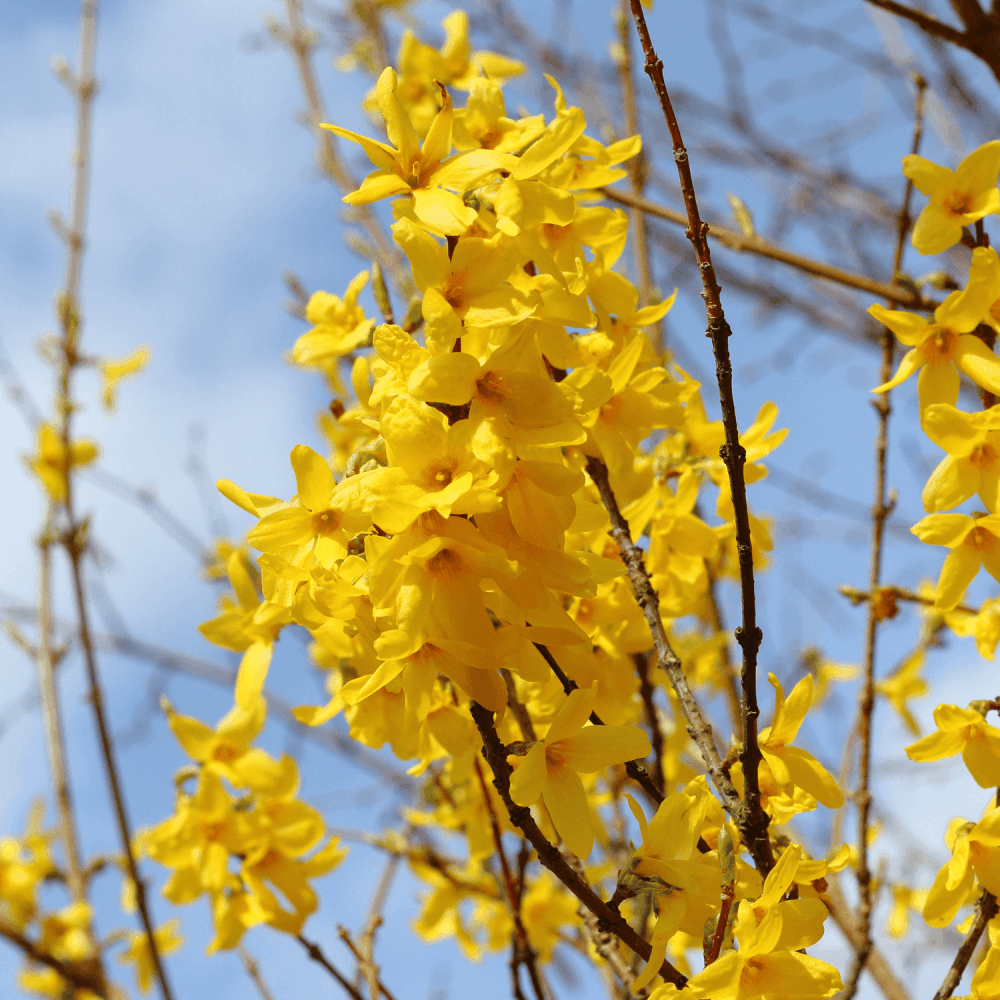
226 749
52 464
943 348
904 899
759 969
483 122
423 171
138 953
957 197
339 326
964 731
465 288
983 625
324 519
904 684
792 765
115 370
975 855
552 767
974 542
972 464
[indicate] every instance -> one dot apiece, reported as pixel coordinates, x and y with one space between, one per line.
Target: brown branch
748 635
605 946
733 239
253 971
520 713
316 954
522 951
878 968
84 86
84 975
754 836
646 692
926 23
636 168
986 910
366 966
550 856
636 771
301 44
882 507
728 895
55 745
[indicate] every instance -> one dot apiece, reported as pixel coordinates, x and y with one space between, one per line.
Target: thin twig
878 967
748 635
301 44
550 856
728 895
986 910
518 710
253 971
85 974
366 966
523 953
882 507
929 25
635 770
646 692
54 741
74 538
903 295
636 169
668 661
316 954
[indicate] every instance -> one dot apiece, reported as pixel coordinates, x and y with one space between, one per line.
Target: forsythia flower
551 767
52 464
964 731
139 954
974 542
792 765
972 464
943 348
957 197
115 370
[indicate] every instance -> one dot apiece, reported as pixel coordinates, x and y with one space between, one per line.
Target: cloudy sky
204 192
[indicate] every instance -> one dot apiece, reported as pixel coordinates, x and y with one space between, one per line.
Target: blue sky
204 192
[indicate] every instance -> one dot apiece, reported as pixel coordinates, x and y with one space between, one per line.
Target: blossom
964 731
139 953
551 768
975 855
421 170
52 462
974 542
761 968
957 197
792 765
943 348
972 465
115 370
903 684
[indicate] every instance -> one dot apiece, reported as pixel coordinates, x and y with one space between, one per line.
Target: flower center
980 539
959 203
939 345
490 388
327 522
446 565
226 753
983 456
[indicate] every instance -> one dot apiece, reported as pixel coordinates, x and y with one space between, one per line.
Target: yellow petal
252 673
528 777
566 802
594 748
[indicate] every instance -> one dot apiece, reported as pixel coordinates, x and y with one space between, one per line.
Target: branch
646 692
301 44
748 635
253 971
667 660
881 509
636 771
73 540
929 25
550 856
986 910
902 294
878 967
316 954
84 975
